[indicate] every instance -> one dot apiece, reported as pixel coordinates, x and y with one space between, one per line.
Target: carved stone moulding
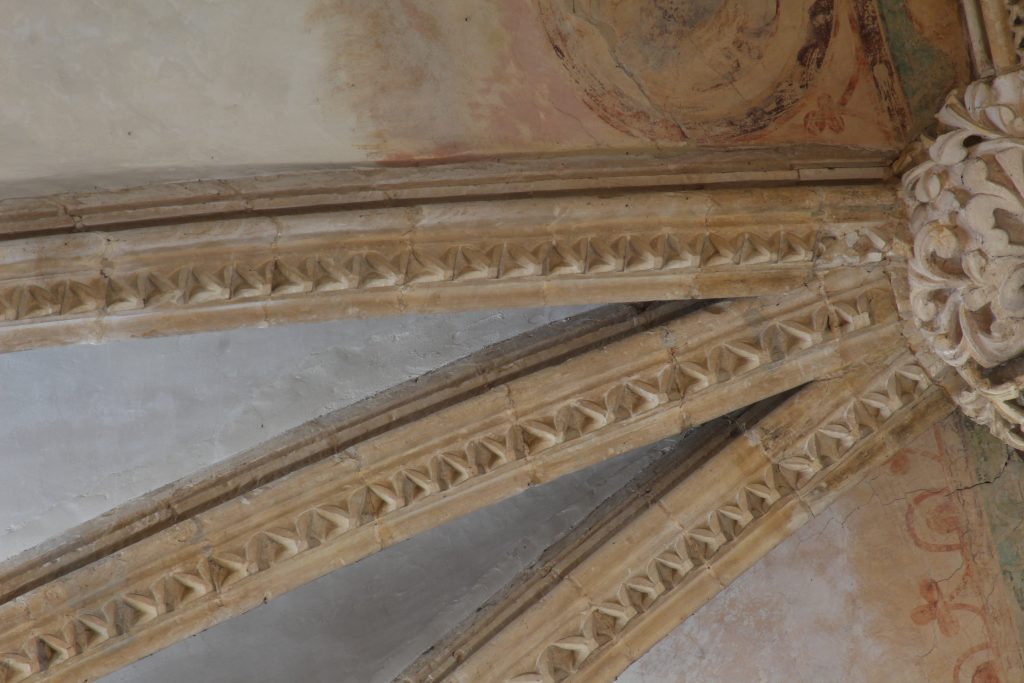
653 555
343 496
319 263
176 258
995 30
966 272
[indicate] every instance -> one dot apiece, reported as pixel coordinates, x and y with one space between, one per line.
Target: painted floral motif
936 523
936 608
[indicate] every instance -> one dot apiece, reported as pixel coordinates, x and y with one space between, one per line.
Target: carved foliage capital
966 206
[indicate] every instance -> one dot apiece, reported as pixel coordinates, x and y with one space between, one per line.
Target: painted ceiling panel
118 93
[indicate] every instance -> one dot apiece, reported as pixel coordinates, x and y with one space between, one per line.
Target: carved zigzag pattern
646 584
331 271
633 398
698 546
410 484
860 418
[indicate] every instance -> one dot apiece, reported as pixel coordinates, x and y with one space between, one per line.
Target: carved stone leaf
966 206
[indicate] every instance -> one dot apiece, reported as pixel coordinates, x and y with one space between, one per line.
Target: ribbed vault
758 299
790 289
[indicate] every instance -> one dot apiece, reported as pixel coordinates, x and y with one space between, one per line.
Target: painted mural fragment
215 87
937 521
673 71
471 79
927 53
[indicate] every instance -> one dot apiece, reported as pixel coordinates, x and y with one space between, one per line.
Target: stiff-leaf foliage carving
967 270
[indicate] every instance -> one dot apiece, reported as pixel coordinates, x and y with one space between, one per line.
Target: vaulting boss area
526 341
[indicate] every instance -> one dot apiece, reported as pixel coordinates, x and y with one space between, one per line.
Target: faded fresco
545 74
118 93
909 578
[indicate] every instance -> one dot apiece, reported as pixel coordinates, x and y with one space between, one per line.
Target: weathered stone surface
650 557
180 259
967 267
799 237
241 546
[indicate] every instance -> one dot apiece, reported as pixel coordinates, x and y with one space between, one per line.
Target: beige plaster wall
106 88
86 428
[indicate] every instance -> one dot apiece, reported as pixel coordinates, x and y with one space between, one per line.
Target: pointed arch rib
686 528
338 499
310 247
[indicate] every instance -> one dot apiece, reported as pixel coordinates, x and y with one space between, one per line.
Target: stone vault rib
375 185
996 34
327 434
172 274
435 466
652 555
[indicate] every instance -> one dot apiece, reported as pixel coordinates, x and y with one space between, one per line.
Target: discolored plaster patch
391 64
928 50
458 79
1001 498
